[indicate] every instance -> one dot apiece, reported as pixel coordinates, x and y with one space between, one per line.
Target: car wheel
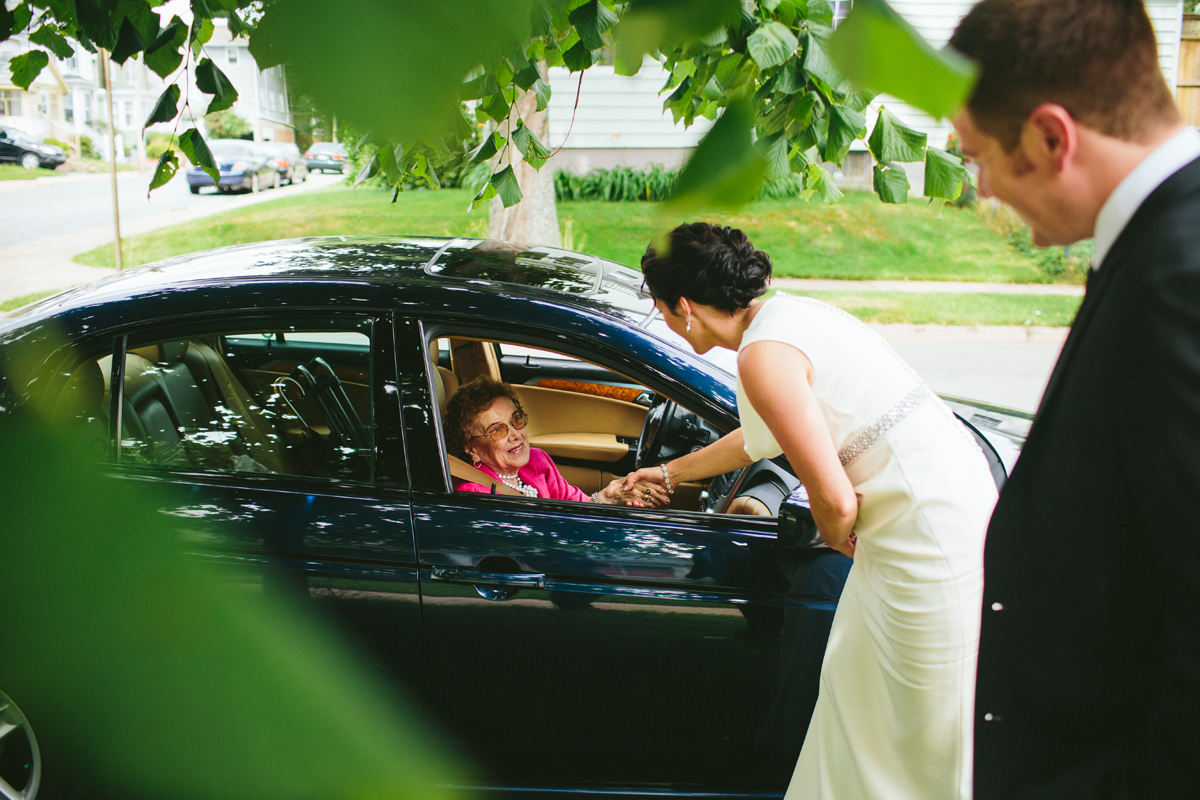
30 161
254 183
195 189
21 768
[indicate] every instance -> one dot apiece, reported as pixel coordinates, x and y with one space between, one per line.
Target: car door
274 445
577 646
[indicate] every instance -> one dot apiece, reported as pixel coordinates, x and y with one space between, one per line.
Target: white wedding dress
893 719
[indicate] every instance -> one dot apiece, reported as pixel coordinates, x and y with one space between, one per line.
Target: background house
38 112
620 120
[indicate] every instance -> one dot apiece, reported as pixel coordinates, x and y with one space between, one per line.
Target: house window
10 103
231 55
840 9
127 113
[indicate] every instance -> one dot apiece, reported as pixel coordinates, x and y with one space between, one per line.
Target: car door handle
528 580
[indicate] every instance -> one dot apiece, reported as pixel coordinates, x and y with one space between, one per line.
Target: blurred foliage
146 673
1057 264
449 170
401 69
653 184
157 144
227 125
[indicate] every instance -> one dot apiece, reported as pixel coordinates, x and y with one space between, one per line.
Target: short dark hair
467 403
1098 59
713 265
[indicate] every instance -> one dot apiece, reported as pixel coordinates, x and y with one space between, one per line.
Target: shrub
157 144
227 125
653 184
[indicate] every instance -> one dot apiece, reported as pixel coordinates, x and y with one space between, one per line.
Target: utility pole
112 152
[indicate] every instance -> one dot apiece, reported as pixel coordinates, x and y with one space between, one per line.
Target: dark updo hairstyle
470 401
713 265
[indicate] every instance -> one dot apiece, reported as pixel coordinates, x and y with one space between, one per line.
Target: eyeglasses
498 431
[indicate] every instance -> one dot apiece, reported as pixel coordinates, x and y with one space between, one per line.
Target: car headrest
446 384
173 352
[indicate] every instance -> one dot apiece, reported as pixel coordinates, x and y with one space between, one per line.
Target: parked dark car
565 646
326 156
16 147
286 158
243 165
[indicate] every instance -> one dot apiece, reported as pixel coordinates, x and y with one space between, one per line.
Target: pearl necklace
514 482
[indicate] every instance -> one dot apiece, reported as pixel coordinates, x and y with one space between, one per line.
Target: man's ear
1050 137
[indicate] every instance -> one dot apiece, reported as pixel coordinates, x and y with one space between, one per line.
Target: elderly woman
485 421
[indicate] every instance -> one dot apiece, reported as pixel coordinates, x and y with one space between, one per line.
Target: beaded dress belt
876 430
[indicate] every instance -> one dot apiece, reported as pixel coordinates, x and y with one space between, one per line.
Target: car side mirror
797 528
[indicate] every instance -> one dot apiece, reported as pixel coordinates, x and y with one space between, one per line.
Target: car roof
377 260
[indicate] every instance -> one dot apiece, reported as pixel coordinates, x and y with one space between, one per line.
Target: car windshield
324 148
231 149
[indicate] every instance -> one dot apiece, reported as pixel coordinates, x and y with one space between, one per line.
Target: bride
894 480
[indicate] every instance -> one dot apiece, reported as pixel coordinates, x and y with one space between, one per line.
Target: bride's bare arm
724 455
777 379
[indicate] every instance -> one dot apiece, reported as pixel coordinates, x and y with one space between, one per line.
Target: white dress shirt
1167 159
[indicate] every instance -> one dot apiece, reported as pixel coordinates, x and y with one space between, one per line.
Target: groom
1089 661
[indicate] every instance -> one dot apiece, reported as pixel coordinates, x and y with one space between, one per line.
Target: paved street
49 221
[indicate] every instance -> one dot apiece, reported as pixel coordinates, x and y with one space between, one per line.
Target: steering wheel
654 430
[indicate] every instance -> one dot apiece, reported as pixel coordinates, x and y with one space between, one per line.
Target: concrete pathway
799 284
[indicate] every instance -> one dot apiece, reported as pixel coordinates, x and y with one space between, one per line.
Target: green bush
227 125
157 144
653 184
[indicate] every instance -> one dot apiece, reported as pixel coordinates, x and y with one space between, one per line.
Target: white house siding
619 121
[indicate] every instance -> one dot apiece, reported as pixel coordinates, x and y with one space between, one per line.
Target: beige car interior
185 406
578 423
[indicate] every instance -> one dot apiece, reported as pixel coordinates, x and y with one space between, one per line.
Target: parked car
18 148
288 162
565 646
326 156
242 165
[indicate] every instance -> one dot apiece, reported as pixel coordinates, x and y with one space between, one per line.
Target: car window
281 401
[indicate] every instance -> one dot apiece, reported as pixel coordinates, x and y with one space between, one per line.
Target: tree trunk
534 220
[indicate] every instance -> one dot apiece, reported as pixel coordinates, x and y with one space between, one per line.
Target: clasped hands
638 489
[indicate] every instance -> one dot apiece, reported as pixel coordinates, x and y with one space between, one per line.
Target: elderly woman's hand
641 494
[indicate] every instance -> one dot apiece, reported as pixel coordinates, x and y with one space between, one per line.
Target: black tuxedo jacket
1089 660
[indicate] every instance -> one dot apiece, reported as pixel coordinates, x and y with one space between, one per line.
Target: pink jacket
540 473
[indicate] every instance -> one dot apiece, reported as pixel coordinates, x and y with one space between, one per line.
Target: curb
57 180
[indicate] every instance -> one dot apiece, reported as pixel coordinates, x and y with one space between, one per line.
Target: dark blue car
241 165
292 393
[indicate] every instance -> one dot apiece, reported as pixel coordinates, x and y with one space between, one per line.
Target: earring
689 325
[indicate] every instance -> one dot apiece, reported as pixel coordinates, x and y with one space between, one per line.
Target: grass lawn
944 308
860 238
17 302
15 172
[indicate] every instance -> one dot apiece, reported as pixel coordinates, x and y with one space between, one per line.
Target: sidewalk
799 284
56 180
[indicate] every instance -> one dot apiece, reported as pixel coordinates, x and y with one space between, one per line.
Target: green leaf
772 44
386 156
774 151
943 174
802 110
495 106
891 182
26 67
236 26
506 185
649 25
210 80
168 165
490 146
129 43
530 146
578 58
818 65
8 22
725 170
165 56
876 48
845 125
202 31
166 108
542 91
541 21
369 170
856 97
892 140
591 20
819 182
52 39
820 12
790 79
527 77
196 149
479 87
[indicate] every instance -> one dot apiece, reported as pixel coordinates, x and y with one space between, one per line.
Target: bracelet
667 478
596 498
